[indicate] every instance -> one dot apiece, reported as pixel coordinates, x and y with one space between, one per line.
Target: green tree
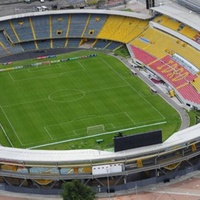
74 190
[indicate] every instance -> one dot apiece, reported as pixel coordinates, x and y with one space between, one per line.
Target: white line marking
81 65
74 132
53 99
100 134
129 117
48 132
84 118
133 88
6 135
11 126
26 102
109 88
11 77
45 67
112 125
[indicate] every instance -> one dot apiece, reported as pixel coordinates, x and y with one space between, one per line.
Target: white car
41 1
44 8
39 9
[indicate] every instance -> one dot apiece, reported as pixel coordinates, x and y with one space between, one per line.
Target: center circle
66 95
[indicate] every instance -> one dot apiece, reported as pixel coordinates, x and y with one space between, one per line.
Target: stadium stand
94 25
22 29
59 25
153 45
122 29
4 51
168 22
172 73
113 45
28 46
153 48
142 55
189 93
110 27
164 44
196 84
189 32
59 43
9 29
77 25
176 26
73 42
7 48
101 44
43 44
41 23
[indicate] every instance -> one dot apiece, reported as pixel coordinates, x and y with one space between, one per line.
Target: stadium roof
51 157
180 13
143 16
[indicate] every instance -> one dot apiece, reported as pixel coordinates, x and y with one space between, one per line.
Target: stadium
164 47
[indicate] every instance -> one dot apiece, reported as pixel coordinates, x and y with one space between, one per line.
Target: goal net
96 129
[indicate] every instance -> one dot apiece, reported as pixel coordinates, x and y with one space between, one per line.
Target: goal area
95 129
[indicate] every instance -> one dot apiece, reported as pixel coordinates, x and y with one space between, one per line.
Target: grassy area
128 10
71 105
122 51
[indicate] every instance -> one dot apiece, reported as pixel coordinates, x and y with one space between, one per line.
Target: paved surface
36 53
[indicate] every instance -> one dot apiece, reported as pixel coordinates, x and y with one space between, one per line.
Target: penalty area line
11 126
99 134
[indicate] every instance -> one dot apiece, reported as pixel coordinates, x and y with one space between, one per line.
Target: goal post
96 129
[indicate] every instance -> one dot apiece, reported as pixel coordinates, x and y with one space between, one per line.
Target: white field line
85 118
129 117
42 68
99 134
11 126
26 102
48 133
11 77
66 95
37 77
112 125
133 89
109 88
81 65
6 135
36 69
76 130
49 76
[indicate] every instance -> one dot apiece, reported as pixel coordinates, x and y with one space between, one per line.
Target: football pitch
75 104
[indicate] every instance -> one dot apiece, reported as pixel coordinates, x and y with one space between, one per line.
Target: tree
75 190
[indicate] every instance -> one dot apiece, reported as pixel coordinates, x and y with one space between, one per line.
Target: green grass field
70 105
